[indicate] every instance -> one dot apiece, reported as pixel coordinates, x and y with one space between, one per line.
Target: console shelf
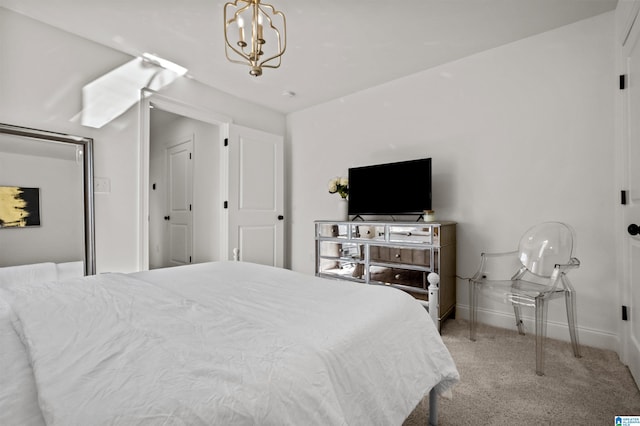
397 254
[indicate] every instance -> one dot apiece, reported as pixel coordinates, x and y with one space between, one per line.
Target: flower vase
343 209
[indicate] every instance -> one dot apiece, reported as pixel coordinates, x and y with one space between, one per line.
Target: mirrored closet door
46 198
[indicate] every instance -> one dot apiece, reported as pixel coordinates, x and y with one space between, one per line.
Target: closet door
255 205
46 198
630 291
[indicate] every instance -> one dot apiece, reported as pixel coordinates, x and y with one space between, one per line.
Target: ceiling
334 47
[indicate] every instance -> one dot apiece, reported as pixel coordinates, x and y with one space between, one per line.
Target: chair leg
541 333
473 314
516 310
570 299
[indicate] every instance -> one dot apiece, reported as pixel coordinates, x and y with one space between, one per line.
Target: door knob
633 229
280 217
167 217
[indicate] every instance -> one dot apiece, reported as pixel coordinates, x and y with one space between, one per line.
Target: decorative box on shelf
397 254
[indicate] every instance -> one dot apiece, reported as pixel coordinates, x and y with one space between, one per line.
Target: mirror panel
46 198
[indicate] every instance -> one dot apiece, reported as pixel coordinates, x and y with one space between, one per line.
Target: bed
225 343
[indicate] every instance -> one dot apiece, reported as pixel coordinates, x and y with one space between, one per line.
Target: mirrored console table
397 254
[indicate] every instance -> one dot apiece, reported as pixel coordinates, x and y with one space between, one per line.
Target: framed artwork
19 207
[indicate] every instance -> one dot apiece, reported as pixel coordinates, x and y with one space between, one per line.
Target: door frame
151 99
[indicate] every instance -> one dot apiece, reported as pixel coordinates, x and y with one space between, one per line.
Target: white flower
339 185
333 185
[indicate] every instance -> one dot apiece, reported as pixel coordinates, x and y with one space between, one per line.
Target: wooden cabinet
397 254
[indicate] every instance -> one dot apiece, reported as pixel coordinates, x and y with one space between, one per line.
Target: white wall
206 179
518 135
60 236
42 72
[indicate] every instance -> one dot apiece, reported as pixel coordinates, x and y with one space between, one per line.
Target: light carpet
499 386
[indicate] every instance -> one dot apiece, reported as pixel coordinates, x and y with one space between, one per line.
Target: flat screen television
392 188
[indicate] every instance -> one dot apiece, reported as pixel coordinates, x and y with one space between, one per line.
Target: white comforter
227 344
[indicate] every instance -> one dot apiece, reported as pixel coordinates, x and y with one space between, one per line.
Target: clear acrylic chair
531 276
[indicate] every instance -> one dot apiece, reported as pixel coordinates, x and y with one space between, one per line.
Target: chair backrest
545 245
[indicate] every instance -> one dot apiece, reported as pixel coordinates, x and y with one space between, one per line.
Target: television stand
396 254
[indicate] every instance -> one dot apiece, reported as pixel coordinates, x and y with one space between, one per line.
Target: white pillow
25 274
18 395
70 270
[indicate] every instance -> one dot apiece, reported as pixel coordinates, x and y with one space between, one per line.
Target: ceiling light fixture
256 32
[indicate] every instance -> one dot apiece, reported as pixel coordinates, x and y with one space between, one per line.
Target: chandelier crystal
255 34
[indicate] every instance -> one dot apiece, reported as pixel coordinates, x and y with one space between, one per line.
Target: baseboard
555 330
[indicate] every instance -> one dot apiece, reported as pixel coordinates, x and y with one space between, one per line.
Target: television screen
393 188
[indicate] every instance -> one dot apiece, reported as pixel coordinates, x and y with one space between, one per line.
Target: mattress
217 343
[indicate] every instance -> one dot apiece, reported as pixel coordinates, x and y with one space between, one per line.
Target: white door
631 211
255 205
179 197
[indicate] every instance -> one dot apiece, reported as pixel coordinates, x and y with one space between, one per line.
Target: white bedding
18 397
227 343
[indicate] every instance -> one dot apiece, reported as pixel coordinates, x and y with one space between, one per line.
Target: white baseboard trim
555 330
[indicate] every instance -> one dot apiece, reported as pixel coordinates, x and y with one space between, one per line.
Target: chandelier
255 34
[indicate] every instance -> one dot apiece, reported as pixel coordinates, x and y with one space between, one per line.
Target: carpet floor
498 384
